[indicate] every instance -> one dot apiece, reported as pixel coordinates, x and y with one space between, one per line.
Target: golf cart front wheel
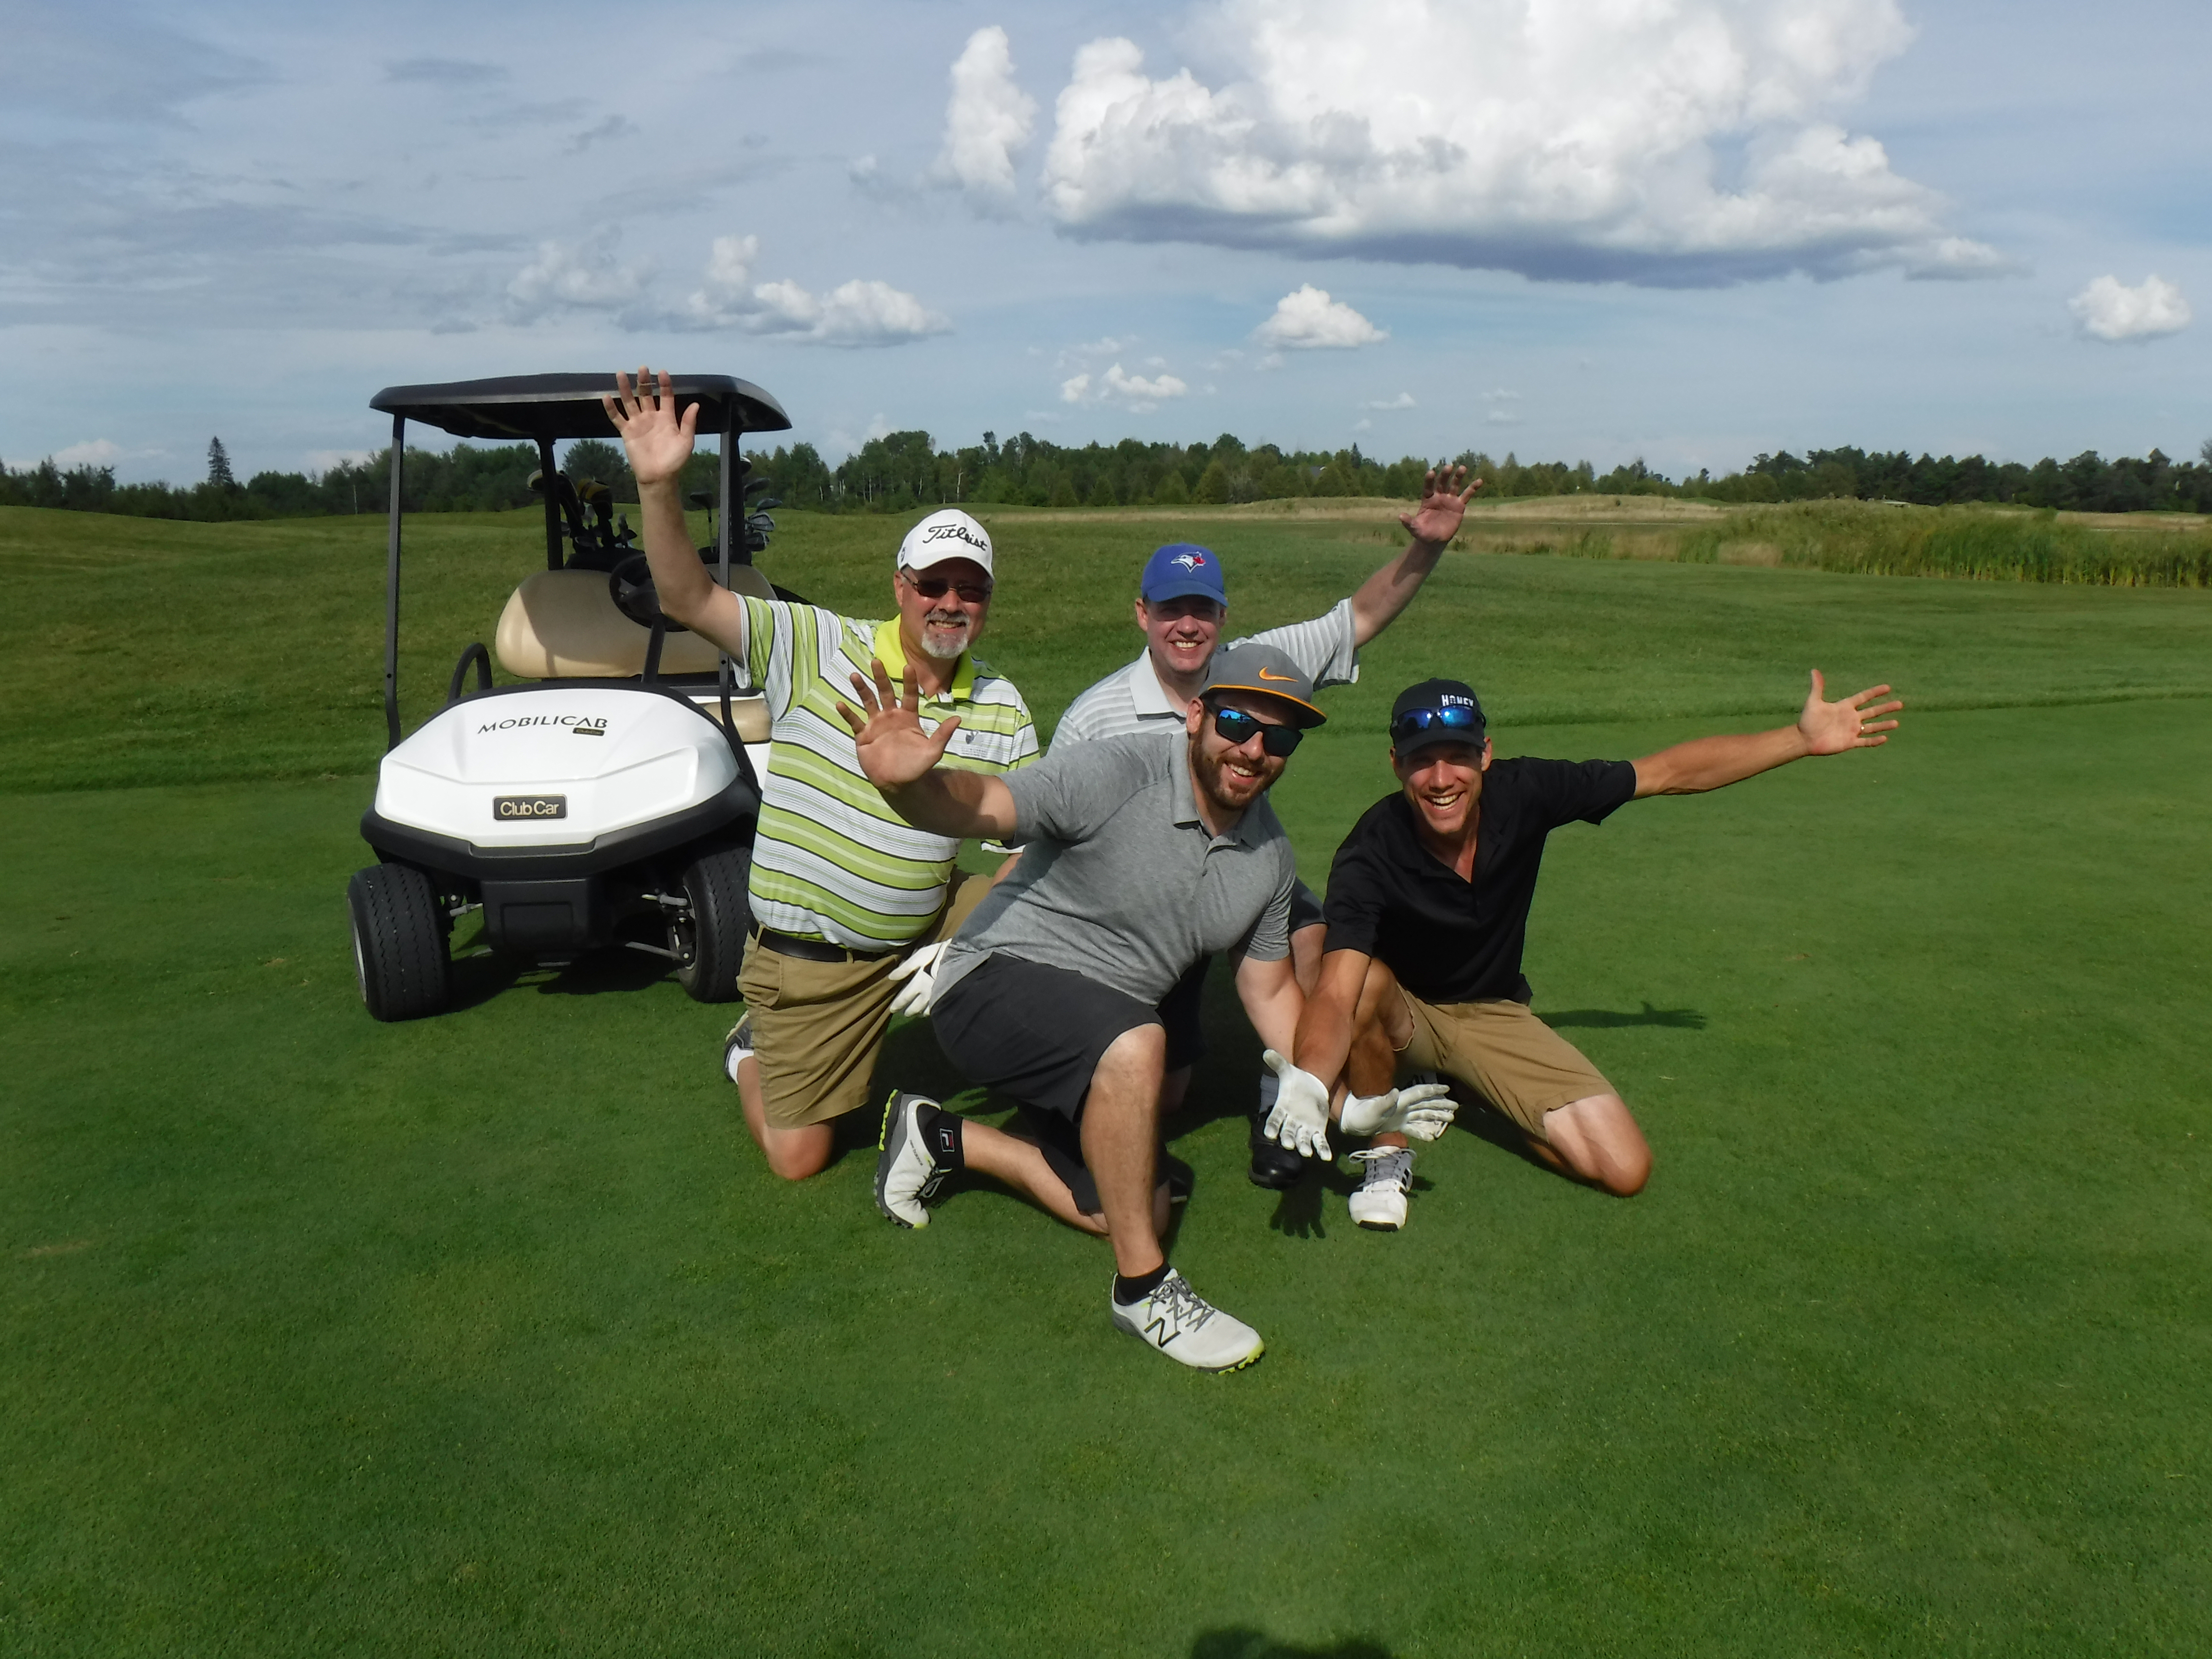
399 931
709 940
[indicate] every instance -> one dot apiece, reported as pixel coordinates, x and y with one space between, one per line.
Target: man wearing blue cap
1183 603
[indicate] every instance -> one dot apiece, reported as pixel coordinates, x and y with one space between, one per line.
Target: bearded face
1232 776
943 606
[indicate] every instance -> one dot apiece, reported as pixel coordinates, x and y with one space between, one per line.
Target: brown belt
813 949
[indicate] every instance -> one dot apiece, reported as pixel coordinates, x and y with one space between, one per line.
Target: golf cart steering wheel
630 584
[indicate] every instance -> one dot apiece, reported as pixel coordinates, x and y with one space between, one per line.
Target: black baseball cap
1435 712
1252 666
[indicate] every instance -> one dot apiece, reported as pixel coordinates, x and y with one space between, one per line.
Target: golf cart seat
564 624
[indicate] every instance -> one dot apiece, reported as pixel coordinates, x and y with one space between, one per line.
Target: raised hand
657 440
1830 729
887 732
1444 504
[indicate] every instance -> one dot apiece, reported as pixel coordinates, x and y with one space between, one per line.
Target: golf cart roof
546 407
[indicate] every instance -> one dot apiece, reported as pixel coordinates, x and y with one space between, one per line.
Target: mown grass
153 653
489 1333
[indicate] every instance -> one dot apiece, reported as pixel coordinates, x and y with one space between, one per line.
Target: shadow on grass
1686 1019
1242 1643
477 980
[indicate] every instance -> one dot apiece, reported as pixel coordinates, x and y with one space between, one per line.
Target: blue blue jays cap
1183 569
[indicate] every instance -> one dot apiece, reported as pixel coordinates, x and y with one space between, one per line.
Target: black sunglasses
1237 728
936 587
1452 720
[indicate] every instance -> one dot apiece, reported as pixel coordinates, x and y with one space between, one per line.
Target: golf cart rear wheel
399 932
709 942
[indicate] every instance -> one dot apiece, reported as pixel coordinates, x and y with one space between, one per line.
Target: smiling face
1443 783
952 620
1231 776
1181 634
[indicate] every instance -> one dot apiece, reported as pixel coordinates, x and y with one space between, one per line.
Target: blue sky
1689 230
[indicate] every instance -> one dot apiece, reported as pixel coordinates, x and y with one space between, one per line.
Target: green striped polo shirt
831 860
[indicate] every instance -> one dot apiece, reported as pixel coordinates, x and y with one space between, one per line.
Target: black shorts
1037 1034
1034 1032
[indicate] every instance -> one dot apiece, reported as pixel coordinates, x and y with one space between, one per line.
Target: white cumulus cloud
1309 319
2110 310
987 122
1669 141
855 313
1140 393
587 277
1403 400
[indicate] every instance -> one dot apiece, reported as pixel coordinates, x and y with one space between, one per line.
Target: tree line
903 471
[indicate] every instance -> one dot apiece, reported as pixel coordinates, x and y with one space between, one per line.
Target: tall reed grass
1873 540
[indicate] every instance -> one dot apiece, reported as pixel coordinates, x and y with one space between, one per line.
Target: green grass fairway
489 1334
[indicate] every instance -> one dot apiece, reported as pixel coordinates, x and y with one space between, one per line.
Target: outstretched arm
1433 525
900 759
658 443
1822 728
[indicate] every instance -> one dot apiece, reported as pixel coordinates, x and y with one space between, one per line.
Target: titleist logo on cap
959 532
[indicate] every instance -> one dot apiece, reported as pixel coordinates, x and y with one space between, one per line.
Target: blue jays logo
1189 561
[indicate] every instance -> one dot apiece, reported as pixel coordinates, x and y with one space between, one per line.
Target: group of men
1070 982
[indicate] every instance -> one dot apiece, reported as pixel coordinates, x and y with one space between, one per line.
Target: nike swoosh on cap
1288 679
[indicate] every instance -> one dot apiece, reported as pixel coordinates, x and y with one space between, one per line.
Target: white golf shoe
908 1174
1381 1200
1183 1325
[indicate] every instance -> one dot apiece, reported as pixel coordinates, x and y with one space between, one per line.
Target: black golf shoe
1272 1166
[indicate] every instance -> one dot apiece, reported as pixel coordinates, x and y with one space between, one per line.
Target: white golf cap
948 533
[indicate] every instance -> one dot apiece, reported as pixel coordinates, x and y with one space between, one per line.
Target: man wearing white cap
842 888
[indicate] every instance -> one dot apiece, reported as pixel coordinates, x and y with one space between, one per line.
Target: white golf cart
612 794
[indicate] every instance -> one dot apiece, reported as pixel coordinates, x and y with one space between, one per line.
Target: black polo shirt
1446 939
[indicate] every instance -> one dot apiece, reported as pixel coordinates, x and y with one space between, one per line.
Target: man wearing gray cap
1141 857
841 888
1182 606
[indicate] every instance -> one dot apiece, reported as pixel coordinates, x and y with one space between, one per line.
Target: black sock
1127 1291
940 1132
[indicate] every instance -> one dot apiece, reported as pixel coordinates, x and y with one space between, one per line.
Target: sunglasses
1236 729
1451 720
936 587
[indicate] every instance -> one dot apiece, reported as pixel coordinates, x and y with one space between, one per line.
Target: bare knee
1598 1140
796 1154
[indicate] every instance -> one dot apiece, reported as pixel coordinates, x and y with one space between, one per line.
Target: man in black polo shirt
1428 911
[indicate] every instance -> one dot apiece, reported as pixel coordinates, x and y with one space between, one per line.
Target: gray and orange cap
1435 712
1253 666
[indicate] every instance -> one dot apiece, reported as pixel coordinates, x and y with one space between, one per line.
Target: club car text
583 726
530 806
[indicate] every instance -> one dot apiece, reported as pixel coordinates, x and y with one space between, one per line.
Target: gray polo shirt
1121 883
1130 700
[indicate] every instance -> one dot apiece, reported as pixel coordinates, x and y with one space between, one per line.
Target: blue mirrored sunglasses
1237 728
1455 718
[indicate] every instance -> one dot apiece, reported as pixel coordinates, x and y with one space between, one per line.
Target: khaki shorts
1521 1065
818 1025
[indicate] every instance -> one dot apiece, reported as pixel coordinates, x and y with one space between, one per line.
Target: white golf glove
1300 1120
1420 1112
920 972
